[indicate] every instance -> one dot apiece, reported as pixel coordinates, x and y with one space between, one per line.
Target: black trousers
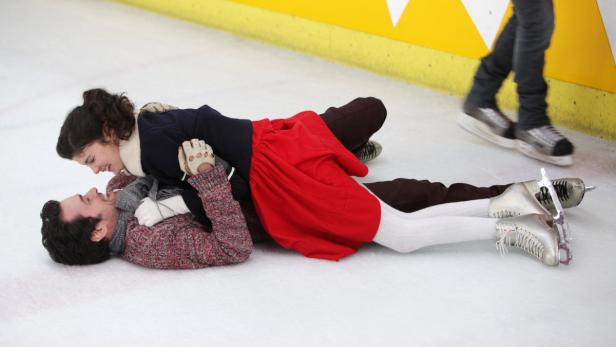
520 47
354 123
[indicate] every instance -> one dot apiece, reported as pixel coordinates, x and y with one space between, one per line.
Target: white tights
435 225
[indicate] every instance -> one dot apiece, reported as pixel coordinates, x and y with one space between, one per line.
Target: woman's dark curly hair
69 242
101 114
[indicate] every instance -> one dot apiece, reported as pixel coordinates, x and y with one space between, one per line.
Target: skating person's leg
494 68
534 31
354 123
536 137
481 114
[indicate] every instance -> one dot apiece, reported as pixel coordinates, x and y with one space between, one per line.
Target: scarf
129 198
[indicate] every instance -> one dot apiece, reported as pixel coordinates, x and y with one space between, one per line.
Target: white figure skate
564 232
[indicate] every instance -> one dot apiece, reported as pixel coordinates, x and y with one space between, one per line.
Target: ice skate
369 151
520 199
489 123
533 234
570 192
516 200
560 221
546 144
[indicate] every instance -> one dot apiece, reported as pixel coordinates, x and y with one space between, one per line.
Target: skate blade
564 233
530 151
565 256
476 127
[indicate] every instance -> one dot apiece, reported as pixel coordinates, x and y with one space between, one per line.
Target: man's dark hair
69 242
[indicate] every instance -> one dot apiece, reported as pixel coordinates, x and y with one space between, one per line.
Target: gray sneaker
488 123
534 234
570 192
369 151
546 144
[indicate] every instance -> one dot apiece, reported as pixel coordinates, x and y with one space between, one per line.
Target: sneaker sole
476 127
530 151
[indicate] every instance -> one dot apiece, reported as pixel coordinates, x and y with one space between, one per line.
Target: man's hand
195 156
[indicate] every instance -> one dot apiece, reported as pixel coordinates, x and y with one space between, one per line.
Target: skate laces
368 151
514 236
562 190
546 134
505 213
495 117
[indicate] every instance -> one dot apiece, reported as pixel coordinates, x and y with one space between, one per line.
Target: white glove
151 212
192 154
156 107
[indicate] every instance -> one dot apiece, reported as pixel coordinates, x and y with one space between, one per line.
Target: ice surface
462 295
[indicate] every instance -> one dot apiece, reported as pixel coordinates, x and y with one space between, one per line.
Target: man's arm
181 242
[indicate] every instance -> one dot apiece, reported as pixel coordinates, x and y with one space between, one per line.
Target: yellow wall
435 42
580 50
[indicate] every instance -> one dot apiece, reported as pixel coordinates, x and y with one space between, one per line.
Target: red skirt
303 192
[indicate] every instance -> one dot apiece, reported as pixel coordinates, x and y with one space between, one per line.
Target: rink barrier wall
571 105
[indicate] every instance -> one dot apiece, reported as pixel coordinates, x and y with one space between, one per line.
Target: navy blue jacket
162 133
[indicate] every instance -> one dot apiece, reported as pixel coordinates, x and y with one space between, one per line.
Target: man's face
101 157
91 205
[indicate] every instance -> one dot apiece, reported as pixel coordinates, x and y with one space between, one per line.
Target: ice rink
454 295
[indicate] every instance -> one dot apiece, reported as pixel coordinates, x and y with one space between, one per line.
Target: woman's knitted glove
193 154
156 107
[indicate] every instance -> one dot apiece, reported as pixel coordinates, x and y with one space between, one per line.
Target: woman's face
101 157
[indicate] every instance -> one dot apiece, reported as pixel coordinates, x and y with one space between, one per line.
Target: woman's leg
471 208
409 195
406 232
354 123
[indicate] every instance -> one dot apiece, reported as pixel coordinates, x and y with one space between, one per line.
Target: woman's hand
195 157
156 107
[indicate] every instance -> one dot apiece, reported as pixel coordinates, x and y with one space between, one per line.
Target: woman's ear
109 135
99 232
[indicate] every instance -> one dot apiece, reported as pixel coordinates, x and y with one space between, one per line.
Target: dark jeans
353 124
520 46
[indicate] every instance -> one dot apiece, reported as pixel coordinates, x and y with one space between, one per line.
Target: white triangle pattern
608 13
396 8
487 16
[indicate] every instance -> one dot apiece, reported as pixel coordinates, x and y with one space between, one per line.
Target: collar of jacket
130 152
